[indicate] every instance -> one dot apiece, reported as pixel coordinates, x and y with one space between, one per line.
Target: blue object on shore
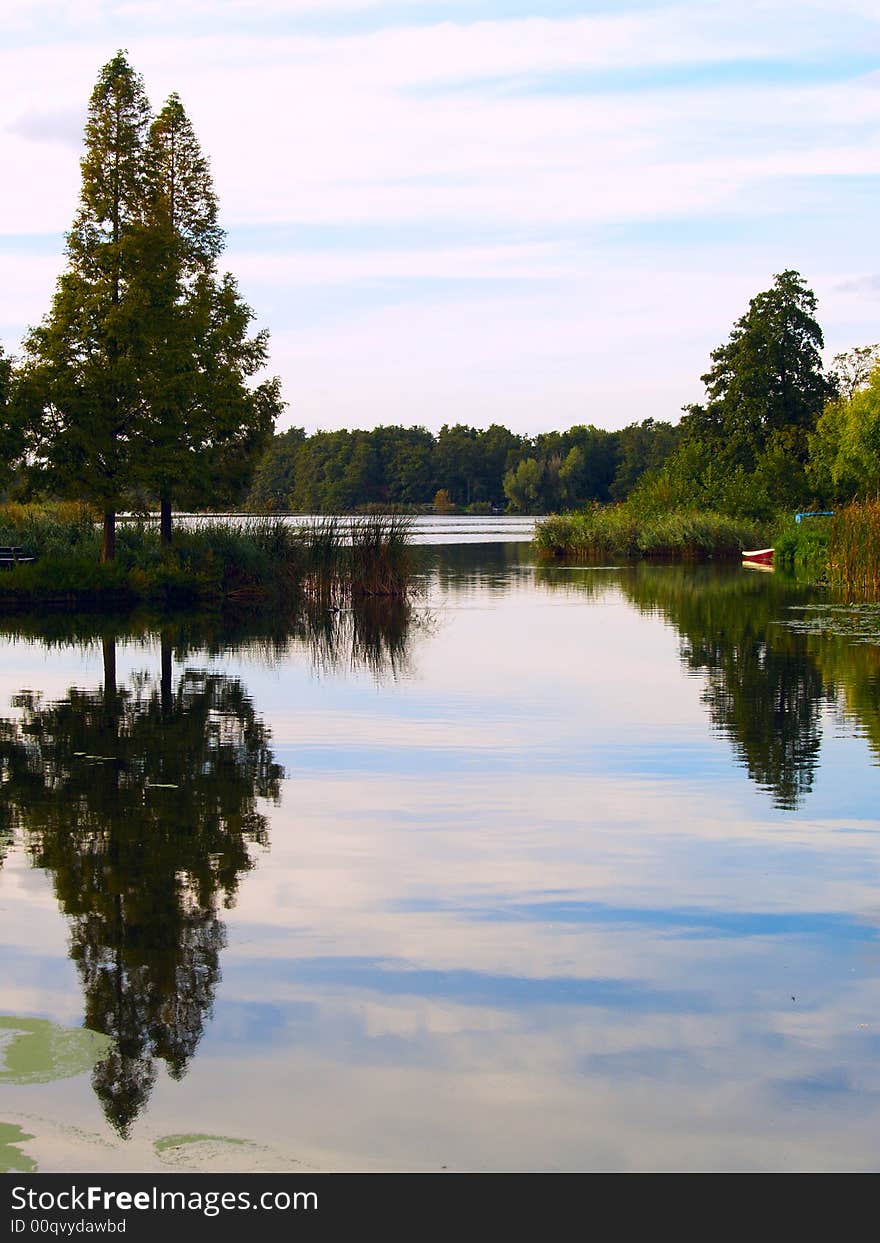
814 513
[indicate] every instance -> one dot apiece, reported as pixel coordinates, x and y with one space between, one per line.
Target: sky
530 212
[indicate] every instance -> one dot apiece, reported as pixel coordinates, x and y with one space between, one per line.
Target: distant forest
459 469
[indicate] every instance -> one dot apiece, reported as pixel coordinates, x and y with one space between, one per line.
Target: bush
617 532
802 547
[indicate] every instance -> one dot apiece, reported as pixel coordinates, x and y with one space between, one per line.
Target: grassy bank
254 562
617 533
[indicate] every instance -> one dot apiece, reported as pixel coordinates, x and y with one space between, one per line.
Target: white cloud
335 130
64 125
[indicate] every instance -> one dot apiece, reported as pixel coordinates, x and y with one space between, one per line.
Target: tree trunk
109 653
108 543
165 519
166 674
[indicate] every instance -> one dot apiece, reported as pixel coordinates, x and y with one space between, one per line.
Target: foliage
854 550
642 448
478 471
523 486
845 448
768 377
618 532
744 451
802 547
852 369
205 424
442 504
253 562
273 479
84 363
140 375
11 431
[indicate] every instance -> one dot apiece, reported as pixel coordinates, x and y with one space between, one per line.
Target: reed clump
854 550
350 559
251 562
619 533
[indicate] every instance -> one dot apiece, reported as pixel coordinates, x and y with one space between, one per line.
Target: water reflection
768 677
763 689
141 798
141 801
522 910
466 569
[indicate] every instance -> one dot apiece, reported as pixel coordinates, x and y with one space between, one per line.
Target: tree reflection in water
141 801
763 689
766 683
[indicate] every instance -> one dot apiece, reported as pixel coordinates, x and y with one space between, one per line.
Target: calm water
436 529
564 869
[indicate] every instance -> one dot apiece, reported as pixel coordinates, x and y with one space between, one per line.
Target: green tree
845 448
274 476
457 459
641 447
84 363
745 450
767 378
499 450
522 486
408 459
205 424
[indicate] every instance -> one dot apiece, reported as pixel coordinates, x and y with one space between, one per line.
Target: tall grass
251 562
618 533
854 550
370 555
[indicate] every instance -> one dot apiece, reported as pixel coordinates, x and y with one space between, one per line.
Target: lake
433 529
558 869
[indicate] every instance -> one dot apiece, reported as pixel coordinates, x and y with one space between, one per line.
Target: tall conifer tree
205 423
84 361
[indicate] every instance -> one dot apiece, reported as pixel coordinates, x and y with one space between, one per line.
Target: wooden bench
11 555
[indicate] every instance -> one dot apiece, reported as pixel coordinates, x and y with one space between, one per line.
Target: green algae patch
12 1159
41 1051
178 1141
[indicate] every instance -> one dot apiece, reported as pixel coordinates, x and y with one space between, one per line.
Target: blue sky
535 213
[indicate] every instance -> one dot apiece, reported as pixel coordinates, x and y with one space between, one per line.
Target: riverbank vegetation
776 433
619 533
854 550
255 562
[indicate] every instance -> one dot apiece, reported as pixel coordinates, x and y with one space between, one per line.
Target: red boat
763 556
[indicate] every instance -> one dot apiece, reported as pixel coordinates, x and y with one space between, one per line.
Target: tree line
458 468
140 380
